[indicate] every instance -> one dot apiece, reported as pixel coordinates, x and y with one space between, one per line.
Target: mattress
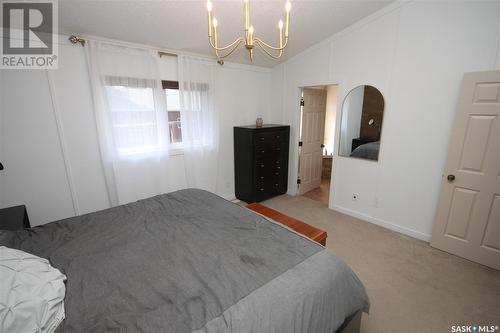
368 150
190 261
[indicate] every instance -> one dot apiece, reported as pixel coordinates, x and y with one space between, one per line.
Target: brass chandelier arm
236 42
267 52
260 41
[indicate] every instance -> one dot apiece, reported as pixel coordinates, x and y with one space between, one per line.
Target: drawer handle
261 189
277 162
262 151
277 173
261 139
278 168
276 185
261 177
262 165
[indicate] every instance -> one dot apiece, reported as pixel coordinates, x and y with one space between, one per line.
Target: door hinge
300 143
298 181
301 102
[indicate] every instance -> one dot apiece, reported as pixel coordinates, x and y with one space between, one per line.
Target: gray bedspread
368 150
190 261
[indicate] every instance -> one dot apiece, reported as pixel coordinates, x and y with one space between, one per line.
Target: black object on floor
14 218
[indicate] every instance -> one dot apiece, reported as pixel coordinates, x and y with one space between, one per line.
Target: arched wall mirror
361 123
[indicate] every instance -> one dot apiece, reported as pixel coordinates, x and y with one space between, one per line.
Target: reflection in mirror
361 124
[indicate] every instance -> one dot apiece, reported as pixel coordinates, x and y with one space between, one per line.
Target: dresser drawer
267 177
265 191
273 148
269 137
268 160
268 173
267 167
267 187
271 180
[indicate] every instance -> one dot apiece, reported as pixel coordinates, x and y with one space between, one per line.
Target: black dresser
260 161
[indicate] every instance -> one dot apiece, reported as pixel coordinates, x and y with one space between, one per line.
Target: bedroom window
134 117
171 89
144 119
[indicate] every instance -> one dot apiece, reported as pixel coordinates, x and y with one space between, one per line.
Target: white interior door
468 216
313 131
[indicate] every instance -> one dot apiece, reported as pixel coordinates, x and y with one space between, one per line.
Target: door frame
295 137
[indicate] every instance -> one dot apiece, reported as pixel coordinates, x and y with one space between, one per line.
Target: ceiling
182 25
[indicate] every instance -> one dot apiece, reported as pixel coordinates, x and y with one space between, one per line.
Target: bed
190 261
368 150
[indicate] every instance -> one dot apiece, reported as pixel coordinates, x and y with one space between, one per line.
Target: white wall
415 53
330 118
242 96
34 168
55 167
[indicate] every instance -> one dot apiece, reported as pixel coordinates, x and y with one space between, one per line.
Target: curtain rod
76 39
167 54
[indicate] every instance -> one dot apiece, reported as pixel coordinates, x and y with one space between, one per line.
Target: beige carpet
412 286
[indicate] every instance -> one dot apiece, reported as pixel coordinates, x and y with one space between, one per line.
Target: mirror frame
342 116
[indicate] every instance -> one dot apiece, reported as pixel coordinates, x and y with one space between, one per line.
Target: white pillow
31 293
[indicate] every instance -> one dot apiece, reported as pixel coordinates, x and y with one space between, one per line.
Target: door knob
451 178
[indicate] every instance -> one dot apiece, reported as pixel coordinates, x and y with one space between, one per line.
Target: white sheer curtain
131 118
199 117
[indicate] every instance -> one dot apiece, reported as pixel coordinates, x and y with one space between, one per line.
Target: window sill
151 154
176 152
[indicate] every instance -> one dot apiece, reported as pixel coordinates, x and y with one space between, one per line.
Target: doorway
318 109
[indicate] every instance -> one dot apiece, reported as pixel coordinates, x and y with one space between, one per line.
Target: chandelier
250 39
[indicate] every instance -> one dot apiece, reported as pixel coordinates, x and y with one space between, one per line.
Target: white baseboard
403 230
230 197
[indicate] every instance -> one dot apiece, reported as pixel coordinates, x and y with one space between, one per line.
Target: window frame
173 149
137 83
176 148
